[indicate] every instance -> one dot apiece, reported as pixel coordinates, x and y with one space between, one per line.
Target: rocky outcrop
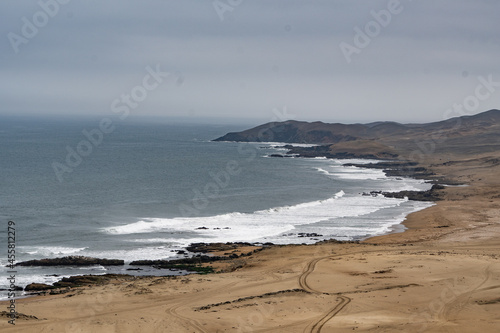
198 259
72 261
398 169
38 287
193 264
74 281
431 195
354 149
65 284
215 247
18 316
85 280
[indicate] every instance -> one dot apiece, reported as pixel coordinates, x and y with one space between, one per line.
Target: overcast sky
244 58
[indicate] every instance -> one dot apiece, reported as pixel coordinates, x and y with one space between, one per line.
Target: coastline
190 265
439 274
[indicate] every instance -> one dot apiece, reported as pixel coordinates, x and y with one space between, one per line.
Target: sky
265 60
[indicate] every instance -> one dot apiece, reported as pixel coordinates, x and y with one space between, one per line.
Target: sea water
149 188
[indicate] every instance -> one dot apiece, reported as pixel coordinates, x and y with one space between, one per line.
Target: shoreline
169 267
188 269
438 275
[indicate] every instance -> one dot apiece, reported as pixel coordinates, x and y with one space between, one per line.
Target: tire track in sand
461 301
317 326
311 265
185 301
344 300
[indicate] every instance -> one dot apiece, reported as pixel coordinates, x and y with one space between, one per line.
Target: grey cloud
264 54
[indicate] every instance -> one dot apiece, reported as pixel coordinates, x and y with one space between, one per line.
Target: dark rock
312 234
188 264
280 155
214 247
384 165
247 298
336 241
83 280
431 195
38 287
184 261
72 261
397 169
60 291
18 315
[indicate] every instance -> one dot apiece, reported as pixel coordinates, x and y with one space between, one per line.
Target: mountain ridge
480 131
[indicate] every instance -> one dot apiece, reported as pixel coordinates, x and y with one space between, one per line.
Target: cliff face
384 139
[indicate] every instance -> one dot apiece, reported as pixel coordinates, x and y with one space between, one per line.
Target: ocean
146 189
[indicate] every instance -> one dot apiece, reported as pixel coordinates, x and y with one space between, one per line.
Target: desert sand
440 275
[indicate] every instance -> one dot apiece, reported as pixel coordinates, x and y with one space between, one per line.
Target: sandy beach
440 275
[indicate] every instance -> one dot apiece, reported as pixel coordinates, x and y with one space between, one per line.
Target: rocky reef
72 261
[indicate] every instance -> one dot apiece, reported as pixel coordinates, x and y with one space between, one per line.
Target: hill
467 134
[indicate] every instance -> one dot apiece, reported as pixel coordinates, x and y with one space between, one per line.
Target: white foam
256 226
388 226
323 171
357 161
353 173
335 169
48 251
339 194
281 144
